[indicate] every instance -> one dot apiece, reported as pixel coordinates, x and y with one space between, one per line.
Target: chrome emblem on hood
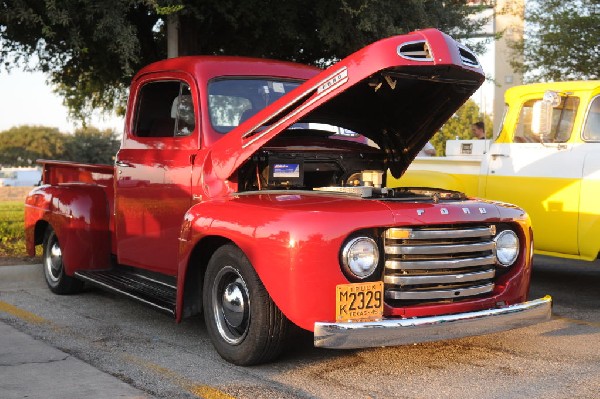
446 211
337 79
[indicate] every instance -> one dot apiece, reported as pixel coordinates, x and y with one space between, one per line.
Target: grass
12 233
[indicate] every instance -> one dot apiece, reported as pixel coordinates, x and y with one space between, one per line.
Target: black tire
244 324
54 270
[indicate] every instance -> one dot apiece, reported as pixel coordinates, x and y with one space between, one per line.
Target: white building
13 177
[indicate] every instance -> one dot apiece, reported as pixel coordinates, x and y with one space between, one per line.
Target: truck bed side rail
61 172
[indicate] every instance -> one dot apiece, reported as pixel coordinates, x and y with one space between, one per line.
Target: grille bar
404 280
439 249
440 264
439 294
440 233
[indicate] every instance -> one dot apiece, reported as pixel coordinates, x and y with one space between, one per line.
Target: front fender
79 215
292 241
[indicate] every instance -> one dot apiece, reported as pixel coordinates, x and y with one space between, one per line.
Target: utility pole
509 16
172 35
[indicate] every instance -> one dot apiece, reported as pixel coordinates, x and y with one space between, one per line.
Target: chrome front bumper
393 332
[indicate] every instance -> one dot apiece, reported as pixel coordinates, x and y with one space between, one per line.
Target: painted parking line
22 314
198 390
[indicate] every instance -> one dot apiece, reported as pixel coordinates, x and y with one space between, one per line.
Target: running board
141 288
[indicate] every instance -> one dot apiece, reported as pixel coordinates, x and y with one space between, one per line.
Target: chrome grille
438 264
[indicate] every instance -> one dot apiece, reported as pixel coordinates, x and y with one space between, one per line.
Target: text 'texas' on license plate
359 302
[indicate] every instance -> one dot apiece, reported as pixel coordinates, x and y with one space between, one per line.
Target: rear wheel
54 270
243 322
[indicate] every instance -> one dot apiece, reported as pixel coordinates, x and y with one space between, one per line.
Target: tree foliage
92 48
23 145
459 126
91 145
560 41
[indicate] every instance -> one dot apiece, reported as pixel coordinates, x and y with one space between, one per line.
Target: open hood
397 92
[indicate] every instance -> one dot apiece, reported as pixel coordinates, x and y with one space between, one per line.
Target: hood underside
399 108
397 92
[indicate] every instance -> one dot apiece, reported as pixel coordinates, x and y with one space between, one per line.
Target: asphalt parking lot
138 352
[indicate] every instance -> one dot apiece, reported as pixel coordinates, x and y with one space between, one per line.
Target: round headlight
360 257
507 247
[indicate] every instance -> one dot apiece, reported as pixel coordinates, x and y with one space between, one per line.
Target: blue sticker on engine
286 170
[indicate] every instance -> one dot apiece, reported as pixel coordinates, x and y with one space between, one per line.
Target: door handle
501 155
123 164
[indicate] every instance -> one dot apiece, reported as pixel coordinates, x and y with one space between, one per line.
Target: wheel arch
39 232
193 280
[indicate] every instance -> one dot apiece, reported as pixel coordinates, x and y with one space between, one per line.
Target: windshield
232 101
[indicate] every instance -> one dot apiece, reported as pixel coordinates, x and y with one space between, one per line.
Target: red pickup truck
254 191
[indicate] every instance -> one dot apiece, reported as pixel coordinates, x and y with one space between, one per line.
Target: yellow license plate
359 301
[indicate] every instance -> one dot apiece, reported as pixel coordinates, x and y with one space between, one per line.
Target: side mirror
541 118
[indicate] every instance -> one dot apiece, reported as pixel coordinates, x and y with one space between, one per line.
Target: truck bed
62 172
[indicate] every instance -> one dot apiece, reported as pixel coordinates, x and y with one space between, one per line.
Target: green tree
23 145
92 48
459 126
560 40
91 145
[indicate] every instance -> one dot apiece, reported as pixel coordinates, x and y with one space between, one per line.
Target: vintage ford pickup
254 192
547 152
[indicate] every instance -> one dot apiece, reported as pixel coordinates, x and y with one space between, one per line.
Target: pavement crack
33 362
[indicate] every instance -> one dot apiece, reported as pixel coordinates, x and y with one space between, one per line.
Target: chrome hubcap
53 261
231 305
234 304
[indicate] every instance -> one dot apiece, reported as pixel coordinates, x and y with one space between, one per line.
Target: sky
26 99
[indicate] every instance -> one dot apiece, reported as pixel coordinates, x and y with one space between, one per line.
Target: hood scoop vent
468 58
416 51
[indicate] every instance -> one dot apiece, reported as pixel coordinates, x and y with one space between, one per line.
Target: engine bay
335 166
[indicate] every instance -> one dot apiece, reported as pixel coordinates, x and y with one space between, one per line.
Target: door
589 211
542 175
153 185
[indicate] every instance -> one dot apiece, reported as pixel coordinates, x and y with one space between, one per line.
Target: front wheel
243 322
54 270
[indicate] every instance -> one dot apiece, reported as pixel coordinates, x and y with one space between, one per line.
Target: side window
164 109
563 117
591 129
